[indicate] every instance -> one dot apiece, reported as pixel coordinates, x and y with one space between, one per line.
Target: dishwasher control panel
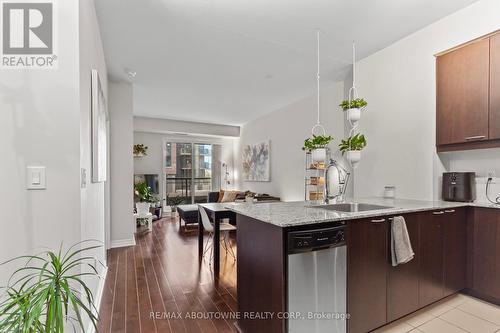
312 240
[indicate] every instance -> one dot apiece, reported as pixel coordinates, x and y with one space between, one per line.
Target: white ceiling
230 61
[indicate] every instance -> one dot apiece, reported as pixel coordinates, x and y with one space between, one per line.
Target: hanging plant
353 108
353 143
317 142
352 146
140 150
316 145
358 103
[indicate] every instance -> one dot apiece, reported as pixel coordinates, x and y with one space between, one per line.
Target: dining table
216 212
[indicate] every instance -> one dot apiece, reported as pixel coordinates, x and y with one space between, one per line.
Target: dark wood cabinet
431 257
402 280
486 253
261 275
455 250
462 94
367 274
495 87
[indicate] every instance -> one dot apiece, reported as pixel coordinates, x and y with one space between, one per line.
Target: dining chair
225 228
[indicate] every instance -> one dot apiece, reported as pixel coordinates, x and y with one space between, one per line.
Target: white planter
353 115
142 207
318 155
353 156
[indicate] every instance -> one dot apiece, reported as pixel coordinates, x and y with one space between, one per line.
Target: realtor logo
27 34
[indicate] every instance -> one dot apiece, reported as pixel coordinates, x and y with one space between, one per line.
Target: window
168 155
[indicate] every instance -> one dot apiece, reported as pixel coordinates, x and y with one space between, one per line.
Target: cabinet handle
378 221
450 211
477 137
438 213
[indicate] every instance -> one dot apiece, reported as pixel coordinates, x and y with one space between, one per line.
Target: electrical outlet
484 180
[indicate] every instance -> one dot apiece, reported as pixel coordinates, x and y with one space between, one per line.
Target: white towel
401 249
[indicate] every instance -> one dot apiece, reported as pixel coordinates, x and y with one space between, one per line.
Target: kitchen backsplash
494 189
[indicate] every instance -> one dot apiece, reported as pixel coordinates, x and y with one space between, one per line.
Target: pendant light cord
318 77
352 92
353 65
318 122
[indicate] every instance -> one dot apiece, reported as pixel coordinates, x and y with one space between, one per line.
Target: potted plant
353 146
144 196
317 146
140 150
48 292
174 201
353 108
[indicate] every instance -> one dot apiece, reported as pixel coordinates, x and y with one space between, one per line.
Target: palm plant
48 292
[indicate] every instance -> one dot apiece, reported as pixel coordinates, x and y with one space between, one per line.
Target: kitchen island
446 237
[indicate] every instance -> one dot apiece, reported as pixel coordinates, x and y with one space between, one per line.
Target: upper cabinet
468 96
462 94
495 87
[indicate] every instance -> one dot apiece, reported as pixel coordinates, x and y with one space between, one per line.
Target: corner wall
93 200
399 85
121 163
286 130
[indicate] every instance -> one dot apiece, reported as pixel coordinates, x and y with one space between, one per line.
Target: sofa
189 213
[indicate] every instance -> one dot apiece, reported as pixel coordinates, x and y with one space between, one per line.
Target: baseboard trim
122 243
98 297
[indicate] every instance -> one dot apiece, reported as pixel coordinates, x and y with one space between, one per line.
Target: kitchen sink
351 207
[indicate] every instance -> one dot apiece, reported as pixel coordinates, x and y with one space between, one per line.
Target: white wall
122 163
40 125
484 162
286 130
399 85
92 197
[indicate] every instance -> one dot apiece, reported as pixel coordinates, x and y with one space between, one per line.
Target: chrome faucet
341 182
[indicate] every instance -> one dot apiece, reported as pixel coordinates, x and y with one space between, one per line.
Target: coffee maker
459 186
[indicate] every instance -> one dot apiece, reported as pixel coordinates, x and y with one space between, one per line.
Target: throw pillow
221 195
229 196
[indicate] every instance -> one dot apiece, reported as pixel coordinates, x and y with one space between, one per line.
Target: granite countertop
289 214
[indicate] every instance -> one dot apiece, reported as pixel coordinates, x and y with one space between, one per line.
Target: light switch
35 178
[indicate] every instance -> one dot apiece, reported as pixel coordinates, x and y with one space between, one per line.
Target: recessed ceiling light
269 76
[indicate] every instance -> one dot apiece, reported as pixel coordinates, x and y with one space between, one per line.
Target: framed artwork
99 118
256 163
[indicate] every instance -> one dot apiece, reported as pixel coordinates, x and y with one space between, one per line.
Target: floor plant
48 293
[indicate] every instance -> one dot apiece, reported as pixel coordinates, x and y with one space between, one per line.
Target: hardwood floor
159 285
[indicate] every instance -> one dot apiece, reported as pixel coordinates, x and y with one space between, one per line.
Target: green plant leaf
40 294
317 141
357 103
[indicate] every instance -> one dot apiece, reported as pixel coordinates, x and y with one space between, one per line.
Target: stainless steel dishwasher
317 285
